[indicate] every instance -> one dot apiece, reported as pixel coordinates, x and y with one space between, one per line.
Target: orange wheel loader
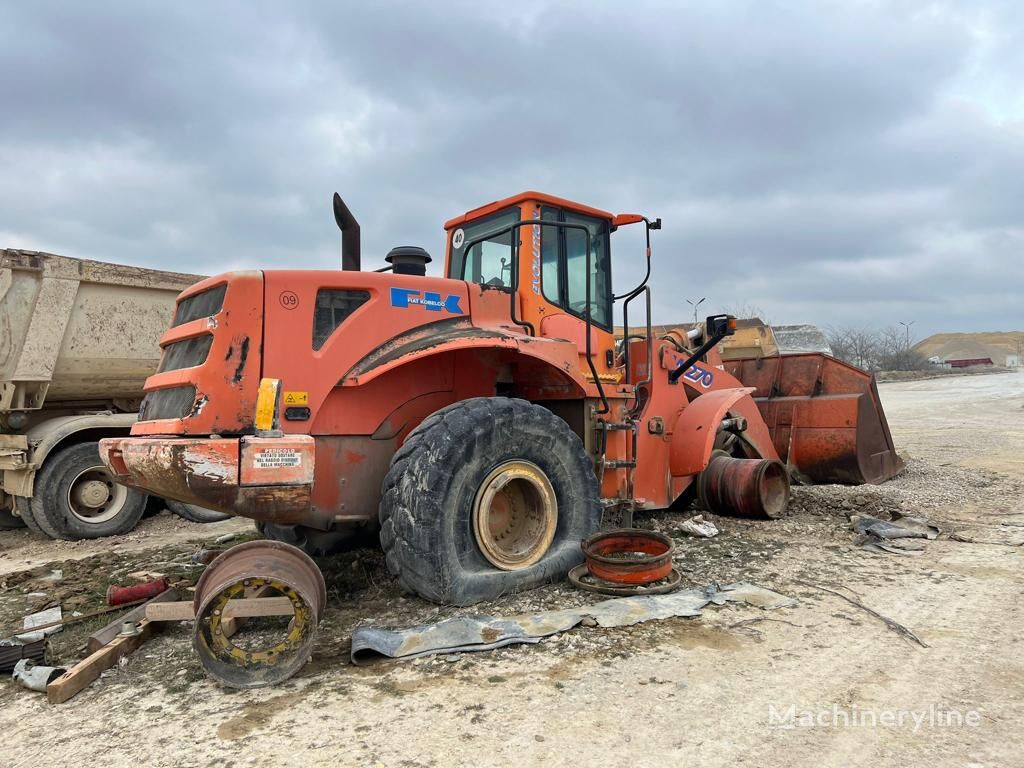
485 422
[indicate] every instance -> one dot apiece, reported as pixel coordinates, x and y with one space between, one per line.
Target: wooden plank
176 611
106 635
92 666
259 606
235 609
233 623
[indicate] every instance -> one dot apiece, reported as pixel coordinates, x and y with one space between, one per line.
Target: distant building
969 362
1012 361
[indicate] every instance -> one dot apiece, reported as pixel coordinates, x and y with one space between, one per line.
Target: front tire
487 497
76 497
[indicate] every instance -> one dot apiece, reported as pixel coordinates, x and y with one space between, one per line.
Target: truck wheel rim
515 515
94 497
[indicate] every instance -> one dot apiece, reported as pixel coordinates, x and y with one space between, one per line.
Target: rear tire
34 525
466 512
77 498
194 514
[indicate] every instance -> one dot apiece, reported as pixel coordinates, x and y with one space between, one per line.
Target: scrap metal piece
270 568
129 629
481 633
35 677
581 578
629 556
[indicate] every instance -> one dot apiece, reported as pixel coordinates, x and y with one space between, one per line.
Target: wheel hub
515 515
92 493
94 497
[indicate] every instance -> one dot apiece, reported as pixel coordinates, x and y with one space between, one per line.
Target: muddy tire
194 514
9 521
317 543
36 526
487 497
76 498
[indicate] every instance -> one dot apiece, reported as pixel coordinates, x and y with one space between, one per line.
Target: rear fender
693 437
545 363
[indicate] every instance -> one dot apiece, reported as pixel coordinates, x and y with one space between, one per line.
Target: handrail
646 290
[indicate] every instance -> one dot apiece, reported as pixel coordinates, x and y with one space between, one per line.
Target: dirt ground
701 691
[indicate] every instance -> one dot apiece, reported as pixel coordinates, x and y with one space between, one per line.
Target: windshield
489 262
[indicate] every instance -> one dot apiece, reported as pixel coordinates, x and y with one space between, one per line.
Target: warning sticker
276 458
296 398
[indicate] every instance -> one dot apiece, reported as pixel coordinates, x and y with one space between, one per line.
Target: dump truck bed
74 330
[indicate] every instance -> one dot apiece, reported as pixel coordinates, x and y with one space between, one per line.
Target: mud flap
825 417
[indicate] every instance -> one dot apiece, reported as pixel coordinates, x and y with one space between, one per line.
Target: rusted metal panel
206 472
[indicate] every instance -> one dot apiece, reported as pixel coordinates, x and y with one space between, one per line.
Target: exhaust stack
350 257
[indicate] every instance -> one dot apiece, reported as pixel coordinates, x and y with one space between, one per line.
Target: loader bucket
824 416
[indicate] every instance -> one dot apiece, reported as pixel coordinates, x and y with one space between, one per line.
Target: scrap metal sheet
480 632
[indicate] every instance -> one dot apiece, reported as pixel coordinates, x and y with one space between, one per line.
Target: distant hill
951 346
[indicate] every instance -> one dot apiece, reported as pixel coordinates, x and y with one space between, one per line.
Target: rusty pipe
119 595
744 487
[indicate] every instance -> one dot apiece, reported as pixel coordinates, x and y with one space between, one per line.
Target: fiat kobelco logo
403 298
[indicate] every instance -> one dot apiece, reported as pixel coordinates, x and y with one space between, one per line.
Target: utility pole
907 352
699 302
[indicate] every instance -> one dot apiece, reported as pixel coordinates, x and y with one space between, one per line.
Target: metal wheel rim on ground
515 515
93 496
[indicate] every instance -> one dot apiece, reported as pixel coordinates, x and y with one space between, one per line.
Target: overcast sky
837 163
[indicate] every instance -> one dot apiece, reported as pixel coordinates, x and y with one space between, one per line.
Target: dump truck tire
194 514
77 498
434 502
36 526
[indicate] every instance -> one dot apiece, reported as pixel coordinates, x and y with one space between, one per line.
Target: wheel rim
515 515
94 497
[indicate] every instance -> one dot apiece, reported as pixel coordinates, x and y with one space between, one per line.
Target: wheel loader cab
546 264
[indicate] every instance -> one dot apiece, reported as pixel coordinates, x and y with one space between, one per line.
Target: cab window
564 265
488 262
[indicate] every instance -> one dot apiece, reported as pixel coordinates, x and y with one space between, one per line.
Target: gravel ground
698 691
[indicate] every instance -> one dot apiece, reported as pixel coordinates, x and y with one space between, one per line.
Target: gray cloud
828 162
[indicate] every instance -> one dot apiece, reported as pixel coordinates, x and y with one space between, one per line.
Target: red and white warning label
276 458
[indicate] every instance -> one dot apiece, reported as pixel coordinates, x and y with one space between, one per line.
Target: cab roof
540 197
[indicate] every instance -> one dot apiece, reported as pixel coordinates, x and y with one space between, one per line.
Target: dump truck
78 339
482 423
